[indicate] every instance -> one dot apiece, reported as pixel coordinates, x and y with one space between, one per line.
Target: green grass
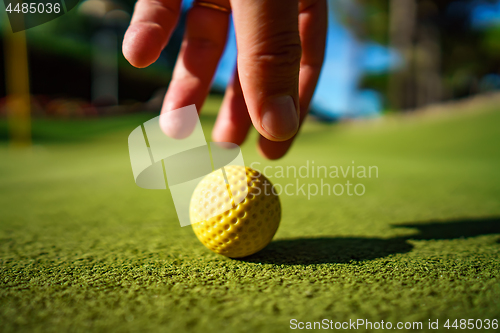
82 248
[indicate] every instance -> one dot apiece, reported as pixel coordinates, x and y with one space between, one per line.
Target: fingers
312 27
233 121
269 54
149 31
269 57
202 47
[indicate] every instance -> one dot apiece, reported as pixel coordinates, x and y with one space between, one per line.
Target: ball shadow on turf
307 251
453 229
320 250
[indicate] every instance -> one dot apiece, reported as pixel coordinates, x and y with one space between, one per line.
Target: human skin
281 48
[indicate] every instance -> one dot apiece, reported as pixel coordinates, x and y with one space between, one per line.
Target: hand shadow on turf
306 251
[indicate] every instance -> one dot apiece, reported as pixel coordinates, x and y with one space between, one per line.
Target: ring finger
202 47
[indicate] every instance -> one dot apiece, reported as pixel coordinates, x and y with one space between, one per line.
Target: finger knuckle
306 4
280 51
314 65
167 7
203 43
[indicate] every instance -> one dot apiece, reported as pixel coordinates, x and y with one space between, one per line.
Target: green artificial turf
82 248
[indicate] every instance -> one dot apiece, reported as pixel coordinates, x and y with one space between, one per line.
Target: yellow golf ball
241 229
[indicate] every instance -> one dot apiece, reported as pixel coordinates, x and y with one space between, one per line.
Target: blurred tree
444 55
402 28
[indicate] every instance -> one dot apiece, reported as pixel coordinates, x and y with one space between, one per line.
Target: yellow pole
17 84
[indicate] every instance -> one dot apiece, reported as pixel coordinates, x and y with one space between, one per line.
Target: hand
281 47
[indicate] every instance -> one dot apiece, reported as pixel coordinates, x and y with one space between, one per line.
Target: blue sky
484 14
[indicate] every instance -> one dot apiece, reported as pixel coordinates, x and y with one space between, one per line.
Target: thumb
269 54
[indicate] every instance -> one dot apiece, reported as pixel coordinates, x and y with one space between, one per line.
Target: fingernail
279 117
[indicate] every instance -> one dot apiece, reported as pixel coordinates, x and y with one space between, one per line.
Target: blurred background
382 56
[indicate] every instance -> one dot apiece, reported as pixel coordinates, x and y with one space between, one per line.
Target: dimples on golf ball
240 230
